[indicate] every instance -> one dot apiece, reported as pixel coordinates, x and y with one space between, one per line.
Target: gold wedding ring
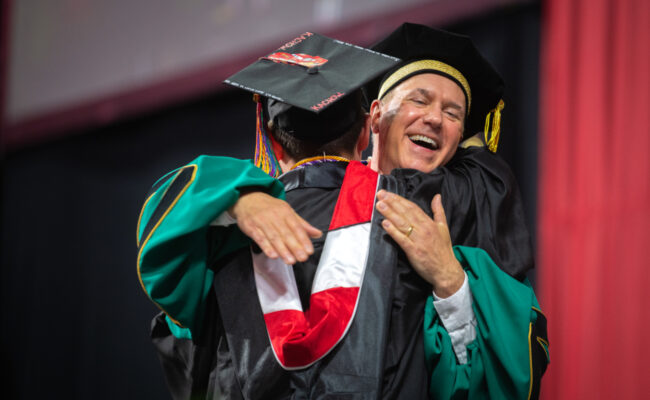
409 231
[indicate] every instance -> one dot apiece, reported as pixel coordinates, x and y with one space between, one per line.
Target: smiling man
419 124
442 87
443 91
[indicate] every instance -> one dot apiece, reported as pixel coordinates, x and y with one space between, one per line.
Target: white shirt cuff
458 318
223 220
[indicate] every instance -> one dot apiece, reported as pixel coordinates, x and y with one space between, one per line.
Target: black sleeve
200 368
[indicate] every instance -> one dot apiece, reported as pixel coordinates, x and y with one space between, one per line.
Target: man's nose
433 116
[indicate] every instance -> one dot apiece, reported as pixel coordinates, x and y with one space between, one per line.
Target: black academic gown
381 356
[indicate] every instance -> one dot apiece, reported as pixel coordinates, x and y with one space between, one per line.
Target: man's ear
375 116
364 136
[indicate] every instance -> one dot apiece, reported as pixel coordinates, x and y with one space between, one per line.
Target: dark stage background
75 322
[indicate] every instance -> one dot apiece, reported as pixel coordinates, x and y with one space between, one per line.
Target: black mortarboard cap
309 84
427 50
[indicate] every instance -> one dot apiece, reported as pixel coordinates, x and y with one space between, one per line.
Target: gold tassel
264 156
492 140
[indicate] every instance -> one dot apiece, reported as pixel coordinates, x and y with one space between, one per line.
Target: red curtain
594 205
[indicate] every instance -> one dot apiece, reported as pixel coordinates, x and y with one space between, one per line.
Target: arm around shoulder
172 231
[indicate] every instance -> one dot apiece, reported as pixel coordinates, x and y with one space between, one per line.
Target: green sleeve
510 352
172 233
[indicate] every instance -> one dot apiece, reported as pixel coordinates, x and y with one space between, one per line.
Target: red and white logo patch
300 338
301 59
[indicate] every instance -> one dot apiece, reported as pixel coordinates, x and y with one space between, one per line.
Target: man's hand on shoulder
276 228
425 241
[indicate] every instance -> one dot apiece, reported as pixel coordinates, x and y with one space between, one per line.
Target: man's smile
424 141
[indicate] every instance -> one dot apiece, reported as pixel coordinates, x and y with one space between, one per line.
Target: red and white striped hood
300 338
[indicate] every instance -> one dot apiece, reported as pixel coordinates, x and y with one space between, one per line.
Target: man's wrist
450 281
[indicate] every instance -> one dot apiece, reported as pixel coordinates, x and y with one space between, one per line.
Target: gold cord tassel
264 156
492 135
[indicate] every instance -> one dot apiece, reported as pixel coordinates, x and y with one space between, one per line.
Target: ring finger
399 221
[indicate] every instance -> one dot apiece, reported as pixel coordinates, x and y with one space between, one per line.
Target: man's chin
421 165
412 163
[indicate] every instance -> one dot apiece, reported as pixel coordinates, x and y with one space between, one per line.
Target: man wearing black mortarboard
345 321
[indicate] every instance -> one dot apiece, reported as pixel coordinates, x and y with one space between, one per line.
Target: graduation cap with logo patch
428 50
309 88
